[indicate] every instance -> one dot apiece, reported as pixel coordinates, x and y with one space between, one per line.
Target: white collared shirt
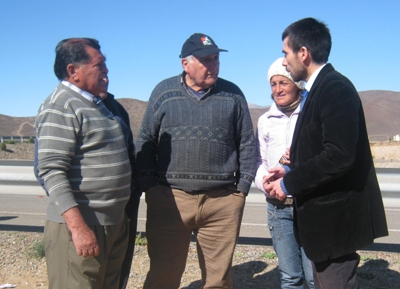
312 78
82 92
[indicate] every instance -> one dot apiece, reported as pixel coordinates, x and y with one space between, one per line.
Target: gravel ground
18 151
254 266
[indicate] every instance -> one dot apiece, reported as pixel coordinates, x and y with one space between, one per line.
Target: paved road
27 213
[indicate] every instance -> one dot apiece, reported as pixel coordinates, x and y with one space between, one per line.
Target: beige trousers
173 215
67 270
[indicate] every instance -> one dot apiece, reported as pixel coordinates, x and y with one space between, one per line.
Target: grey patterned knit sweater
196 145
82 158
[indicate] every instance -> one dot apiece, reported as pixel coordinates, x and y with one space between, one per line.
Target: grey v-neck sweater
193 144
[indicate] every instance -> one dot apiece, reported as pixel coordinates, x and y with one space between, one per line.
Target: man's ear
305 55
185 64
72 72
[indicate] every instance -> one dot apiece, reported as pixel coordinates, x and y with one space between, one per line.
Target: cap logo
206 41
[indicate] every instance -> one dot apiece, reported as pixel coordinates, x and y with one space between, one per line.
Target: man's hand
277 172
267 180
285 159
274 189
83 237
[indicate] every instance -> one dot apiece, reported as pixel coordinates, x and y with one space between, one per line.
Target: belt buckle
288 201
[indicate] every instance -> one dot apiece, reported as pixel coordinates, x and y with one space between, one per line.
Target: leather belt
286 202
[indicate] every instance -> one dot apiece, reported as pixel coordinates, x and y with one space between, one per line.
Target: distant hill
252 105
381 108
382 112
136 109
16 126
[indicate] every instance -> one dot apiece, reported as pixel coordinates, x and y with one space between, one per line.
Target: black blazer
338 203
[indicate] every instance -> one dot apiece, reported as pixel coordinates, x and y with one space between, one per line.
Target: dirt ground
255 266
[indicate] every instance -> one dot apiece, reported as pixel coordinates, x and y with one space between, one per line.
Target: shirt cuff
284 188
286 168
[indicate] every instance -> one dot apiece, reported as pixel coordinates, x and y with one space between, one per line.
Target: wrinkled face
284 91
92 76
202 72
293 63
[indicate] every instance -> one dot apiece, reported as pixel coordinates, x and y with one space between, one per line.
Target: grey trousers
67 270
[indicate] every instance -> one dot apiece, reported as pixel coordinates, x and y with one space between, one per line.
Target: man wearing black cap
196 164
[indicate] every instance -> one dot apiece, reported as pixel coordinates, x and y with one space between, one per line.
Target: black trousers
338 273
132 214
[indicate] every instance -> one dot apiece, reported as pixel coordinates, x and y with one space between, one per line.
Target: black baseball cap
200 45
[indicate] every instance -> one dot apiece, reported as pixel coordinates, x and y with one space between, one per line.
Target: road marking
255 225
144 219
396 210
20 213
256 205
266 225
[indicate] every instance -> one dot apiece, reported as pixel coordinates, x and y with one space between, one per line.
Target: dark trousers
132 214
339 273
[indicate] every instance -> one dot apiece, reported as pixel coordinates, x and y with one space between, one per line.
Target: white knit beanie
278 69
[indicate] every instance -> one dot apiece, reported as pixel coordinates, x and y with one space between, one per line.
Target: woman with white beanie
274 137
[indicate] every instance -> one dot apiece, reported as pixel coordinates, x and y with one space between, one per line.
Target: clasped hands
272 183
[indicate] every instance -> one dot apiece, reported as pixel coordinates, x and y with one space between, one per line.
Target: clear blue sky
142 41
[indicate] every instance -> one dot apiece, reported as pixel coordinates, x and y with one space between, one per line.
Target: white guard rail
16 177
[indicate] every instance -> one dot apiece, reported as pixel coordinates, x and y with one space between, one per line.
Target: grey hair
189 58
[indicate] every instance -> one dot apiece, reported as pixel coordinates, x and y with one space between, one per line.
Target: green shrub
367 258
3 146
11 141
140 241
31 140
38 250
268 255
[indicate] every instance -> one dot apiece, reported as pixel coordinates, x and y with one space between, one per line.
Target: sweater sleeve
147 147
246 147
56 131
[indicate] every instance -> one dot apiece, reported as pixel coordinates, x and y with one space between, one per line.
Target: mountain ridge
381 108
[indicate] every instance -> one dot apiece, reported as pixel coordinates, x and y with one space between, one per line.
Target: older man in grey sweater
196 164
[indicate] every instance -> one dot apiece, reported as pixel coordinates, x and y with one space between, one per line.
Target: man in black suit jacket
338 203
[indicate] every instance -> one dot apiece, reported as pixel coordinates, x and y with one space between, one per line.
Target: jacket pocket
326 224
